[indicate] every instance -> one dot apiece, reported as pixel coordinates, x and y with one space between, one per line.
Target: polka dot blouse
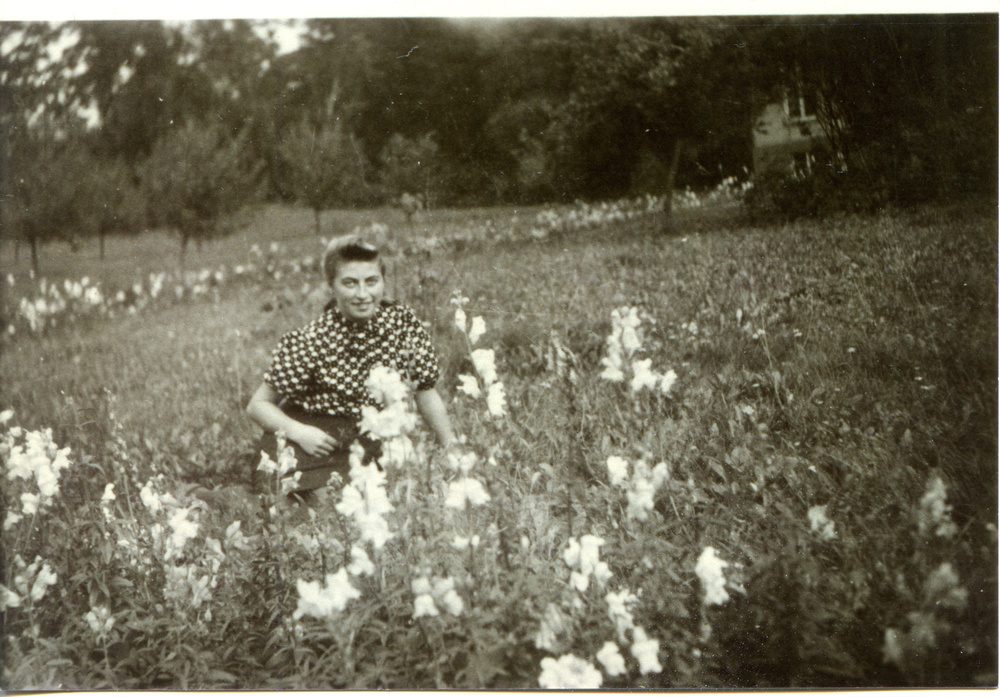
322 367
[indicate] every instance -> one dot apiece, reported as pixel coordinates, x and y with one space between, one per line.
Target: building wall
785 143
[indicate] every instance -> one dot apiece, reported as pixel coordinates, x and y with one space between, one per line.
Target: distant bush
789 196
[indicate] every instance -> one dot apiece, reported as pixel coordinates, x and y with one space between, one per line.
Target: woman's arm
433 411
263 409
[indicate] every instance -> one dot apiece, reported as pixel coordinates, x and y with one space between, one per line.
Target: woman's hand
263 408
314 441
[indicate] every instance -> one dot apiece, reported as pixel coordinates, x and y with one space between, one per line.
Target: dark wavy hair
349 248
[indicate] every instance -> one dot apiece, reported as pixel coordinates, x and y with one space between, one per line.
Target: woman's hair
349 248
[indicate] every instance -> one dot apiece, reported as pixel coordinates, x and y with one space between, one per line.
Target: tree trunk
668 206
101 238
185 237
34 254
316 218
944 173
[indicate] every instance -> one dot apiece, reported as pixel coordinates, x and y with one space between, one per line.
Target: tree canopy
494 110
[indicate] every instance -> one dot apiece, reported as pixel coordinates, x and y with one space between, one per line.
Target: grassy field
831 436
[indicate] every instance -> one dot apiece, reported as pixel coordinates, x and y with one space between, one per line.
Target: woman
315 387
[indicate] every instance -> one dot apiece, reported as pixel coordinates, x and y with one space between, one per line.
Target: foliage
324 166
786 197
532 110
195 180
647 89
45 200
411 166
111 201
800 504
903 98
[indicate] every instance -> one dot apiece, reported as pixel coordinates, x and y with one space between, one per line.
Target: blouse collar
356 325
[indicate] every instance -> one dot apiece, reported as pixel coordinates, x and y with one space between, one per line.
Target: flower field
729 457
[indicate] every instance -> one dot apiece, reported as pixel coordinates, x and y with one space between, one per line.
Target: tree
42 186
195 181
911 101
324 166
410 166
110 201
650 88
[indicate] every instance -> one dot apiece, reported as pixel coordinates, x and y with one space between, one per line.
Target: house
788 138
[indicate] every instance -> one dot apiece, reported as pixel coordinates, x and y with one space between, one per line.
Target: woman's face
358 288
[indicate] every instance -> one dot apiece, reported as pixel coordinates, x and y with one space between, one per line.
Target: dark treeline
194 120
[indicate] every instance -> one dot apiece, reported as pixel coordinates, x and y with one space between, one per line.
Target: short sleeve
292 366
422 366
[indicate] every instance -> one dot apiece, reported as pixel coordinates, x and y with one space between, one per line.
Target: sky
216 9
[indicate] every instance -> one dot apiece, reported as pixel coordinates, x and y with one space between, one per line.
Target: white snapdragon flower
820 524
583 558
485 362
477 329
569 672
461 463
590 551
463 543
360 564
109 494
423 606
374 528
100 620
642 376
614 367
617 470
423 602
351 502
469 385
152 501
667 381
640 498
571 555
460 319
446 595
325 601
645 650
934 513
48 481
630 340
46 577
466 489
183 528
709 570
619 612
8 598
29 503
659 475
391 422
386 386
496 400
611 659
942 588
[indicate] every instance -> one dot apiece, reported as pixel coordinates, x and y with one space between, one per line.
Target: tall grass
829 372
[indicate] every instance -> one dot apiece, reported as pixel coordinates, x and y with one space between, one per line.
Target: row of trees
191 120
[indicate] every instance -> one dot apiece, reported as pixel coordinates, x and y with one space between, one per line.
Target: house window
799 105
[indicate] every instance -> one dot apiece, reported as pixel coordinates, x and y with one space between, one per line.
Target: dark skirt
316 471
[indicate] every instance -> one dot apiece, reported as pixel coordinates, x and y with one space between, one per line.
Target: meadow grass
844 363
